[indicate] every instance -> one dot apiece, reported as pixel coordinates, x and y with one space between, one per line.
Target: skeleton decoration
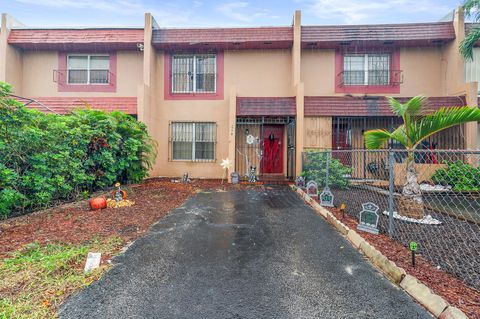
252 176
185 178
300 181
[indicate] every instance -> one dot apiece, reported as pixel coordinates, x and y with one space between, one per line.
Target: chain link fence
439 207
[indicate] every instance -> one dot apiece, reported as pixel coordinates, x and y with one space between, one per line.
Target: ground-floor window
193 141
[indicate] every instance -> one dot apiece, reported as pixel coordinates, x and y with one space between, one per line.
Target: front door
272 160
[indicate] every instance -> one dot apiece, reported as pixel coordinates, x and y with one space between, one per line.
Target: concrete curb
438 306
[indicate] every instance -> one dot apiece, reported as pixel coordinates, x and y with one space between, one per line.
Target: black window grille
194 73
193 141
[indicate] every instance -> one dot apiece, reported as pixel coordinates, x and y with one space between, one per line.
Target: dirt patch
452 289
75 223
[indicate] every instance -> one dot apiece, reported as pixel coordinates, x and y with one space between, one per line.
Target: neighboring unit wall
39 66
421 66
10 58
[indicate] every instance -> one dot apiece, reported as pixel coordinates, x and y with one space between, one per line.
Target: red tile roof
266 106
66 39
360 106
404 34
223 38
64 105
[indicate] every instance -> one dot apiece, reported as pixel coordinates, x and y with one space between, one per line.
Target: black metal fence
437 207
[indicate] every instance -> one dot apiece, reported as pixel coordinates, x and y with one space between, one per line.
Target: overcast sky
208 13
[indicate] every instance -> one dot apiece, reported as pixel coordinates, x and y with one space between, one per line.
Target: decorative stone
312 189
326 197
93 261
369 218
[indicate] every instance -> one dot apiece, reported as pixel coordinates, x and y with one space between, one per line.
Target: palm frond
400 136
467 45
396 107
440 120
471 9
375 139
415 105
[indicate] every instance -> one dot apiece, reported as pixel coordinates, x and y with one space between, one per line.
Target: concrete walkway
242 254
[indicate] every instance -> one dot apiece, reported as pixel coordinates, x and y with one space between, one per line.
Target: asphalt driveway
242 254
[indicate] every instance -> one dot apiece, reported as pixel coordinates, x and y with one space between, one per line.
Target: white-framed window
194 73
366 69
193 141
88 69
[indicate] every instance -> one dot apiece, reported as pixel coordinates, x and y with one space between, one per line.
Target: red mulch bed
452 289
75 223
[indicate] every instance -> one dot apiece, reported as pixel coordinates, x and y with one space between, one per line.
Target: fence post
328 169
391 162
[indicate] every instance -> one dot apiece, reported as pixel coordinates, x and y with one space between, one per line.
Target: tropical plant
462 177
315 168
418 124
49 158
472 10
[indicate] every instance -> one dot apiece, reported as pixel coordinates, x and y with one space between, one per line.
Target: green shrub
460 176
315 168
47 158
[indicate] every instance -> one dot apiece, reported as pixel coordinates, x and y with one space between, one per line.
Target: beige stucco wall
162 112
259 72
38 67
318 72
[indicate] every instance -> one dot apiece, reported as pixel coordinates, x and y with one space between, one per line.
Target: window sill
193 96
213 161
367 89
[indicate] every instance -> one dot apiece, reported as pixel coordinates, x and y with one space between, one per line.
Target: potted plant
418 124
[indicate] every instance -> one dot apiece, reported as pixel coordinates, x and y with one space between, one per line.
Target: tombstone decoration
369 218
326 197
300 181
312 189
252 175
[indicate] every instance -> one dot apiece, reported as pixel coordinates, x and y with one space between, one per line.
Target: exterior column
299 128
232 128
145 96
471 128
298 89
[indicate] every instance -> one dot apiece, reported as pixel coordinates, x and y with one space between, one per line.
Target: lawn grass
37 278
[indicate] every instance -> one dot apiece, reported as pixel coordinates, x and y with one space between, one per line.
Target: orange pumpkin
98 203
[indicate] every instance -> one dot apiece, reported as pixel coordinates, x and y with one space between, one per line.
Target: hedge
50 158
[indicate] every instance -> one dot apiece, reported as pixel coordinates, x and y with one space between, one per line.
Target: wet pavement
242 254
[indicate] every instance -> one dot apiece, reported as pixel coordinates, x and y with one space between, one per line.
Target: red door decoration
272 161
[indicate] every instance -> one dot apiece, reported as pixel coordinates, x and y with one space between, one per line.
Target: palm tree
472 10
417 125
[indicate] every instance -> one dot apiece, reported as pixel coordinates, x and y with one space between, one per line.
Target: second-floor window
366 69
194 73
88 69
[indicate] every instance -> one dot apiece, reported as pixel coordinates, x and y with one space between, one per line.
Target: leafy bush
460 176
46 158
315 168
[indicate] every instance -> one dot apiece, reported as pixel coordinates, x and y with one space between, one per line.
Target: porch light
247 131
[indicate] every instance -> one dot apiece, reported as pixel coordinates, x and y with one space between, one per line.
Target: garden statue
119 194
119 198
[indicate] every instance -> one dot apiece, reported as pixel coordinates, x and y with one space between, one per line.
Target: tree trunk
411 203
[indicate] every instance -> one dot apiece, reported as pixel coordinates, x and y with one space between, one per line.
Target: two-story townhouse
258 96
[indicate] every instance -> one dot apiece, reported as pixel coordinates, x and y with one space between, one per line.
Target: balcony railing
82 77
371 78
